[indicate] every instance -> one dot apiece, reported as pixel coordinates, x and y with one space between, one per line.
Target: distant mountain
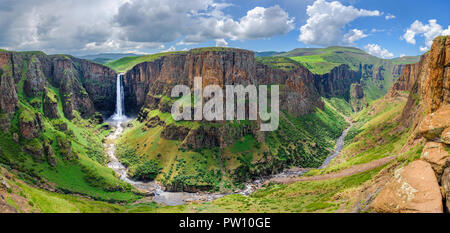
267 53
103 58
377 74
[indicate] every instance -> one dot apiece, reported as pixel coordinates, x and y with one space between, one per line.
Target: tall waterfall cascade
119 114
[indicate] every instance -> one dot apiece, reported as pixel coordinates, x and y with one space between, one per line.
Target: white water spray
119 115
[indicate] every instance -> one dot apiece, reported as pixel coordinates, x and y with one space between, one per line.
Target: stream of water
119 119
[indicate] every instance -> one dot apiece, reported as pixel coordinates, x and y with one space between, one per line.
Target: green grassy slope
126 63
304 141
85 173
322 60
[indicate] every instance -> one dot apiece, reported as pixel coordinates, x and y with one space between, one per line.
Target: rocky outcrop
35 79
100 83
436 85
84 86
50 106
407 78
30 125
427 112
337 83
35 149
223 67
357 99
65 148
397 70
50 155
73 95
173 132
445 137
435 123
8 96
435 154
224 135
413 189
299 95
445 184
5 123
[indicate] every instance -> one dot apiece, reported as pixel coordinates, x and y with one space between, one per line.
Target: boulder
434 124
435 154
445 184
413 189
445 137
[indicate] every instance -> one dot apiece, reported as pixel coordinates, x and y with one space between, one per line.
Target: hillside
103 58
52 136
377 75
51 131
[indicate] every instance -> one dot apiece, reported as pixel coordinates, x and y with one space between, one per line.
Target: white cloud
389 16
258 23
402 55
86 26
378 51
327 21
428 31
56 26
221 43
170 49
354 35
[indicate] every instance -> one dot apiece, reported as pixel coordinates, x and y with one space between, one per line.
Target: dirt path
344 173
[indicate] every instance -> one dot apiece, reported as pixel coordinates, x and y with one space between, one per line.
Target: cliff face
428 83
427 112
337 83
8 96
357 99
83 86
397 70
298 96
228 67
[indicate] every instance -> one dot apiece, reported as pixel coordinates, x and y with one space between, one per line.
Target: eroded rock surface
413 189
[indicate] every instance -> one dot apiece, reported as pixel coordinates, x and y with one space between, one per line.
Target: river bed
179 198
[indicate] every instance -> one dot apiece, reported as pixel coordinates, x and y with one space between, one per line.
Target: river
119 119
179 198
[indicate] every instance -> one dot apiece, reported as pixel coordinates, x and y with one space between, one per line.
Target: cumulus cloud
378 51
428 31
84 26
354 35
221 43
327 21
258 23
56 26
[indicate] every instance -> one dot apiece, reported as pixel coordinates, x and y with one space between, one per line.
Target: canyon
53 110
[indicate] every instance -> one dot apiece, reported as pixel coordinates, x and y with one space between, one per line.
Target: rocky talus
423 185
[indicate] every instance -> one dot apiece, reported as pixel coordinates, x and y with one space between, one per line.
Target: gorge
67 125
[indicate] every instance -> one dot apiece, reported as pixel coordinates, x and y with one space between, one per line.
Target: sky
384 28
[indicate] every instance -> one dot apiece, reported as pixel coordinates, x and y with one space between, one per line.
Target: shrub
147 171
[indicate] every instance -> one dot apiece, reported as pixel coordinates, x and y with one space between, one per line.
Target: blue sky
390 31
385 28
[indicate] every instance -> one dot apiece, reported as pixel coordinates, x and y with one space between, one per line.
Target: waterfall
119 114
